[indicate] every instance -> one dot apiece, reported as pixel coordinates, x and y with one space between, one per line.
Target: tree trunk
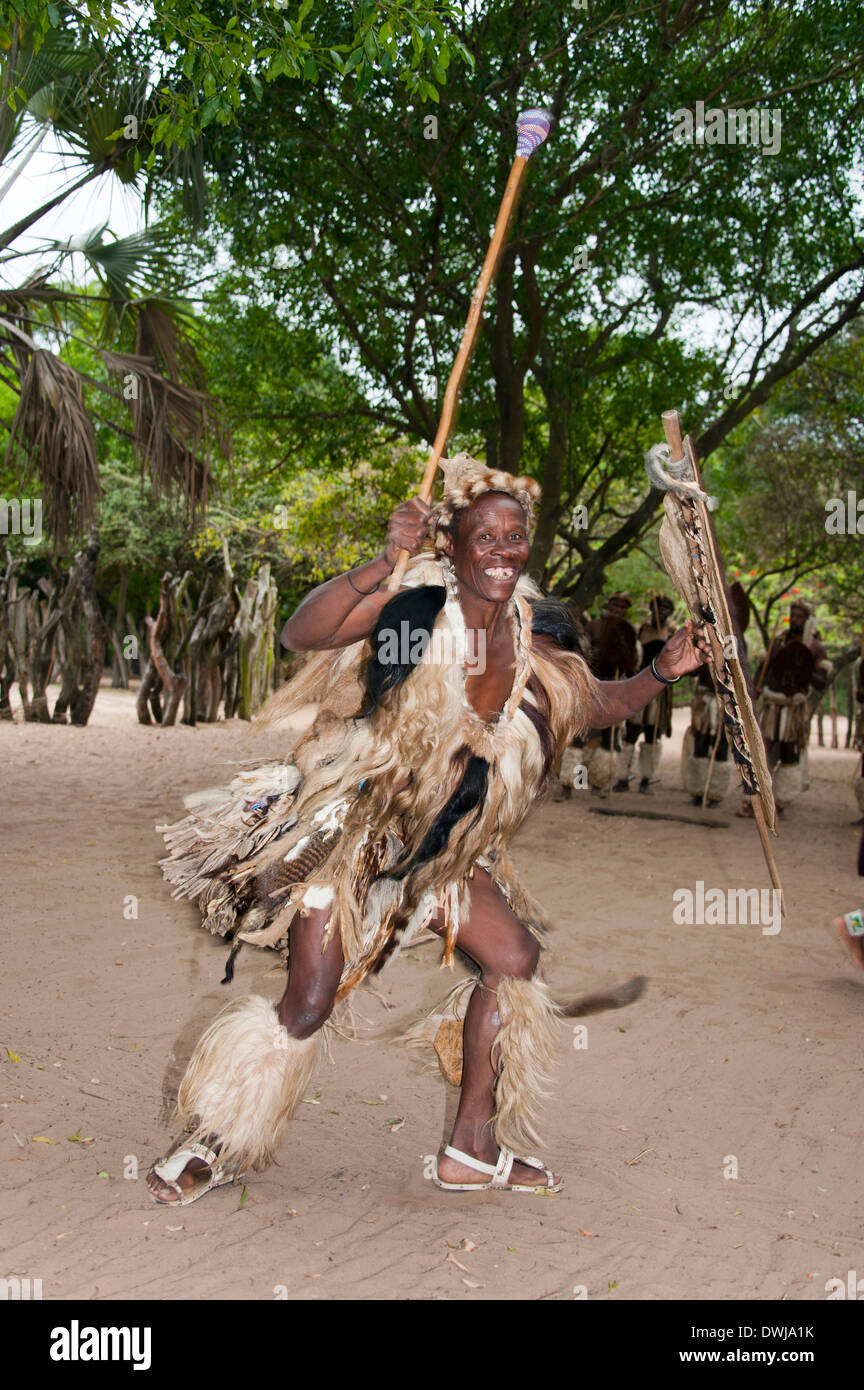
120 667
549 515
173 683
255 626
8 668
95 631
69 645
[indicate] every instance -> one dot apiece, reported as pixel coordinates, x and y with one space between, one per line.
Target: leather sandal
168 1170
499 1174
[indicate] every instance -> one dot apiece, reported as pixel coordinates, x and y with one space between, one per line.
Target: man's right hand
407 529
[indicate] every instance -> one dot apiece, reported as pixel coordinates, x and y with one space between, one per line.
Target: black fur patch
468 796
552 618
401 636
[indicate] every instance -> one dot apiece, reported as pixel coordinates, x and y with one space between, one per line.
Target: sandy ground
746 1049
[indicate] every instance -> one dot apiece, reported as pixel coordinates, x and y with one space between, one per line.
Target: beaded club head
532 127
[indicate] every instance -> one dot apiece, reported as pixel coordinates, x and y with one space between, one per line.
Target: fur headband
465 478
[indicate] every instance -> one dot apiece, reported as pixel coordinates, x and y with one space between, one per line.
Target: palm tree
129 319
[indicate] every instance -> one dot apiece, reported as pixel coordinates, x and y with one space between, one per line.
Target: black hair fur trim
418 608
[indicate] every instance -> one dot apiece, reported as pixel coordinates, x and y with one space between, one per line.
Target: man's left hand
686 651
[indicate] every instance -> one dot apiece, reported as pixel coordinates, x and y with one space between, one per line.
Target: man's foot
745 811
645 786
854 945
451 1170
195 1174
622 785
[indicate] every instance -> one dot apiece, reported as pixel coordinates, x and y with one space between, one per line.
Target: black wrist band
363 592
662 679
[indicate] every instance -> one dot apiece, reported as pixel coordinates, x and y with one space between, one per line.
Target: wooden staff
532 127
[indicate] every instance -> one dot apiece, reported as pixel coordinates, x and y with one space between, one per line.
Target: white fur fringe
244 1081
525 1050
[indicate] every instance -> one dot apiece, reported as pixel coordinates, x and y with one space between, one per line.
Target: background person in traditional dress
705 760
654 722
612 655
402 825
795 665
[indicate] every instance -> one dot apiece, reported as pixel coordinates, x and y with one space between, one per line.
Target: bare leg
305 1006
498 942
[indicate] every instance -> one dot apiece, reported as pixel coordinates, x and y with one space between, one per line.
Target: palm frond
38 79
93 119
175 421
53 429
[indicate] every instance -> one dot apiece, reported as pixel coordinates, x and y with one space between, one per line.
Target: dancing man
463 690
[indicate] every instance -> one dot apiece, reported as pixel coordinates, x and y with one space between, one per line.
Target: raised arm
615 701
346 608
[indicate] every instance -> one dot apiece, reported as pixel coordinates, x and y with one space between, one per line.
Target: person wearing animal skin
613 653
401 823
791 669
654 722
707 734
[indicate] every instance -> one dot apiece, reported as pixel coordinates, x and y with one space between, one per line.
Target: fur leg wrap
649 759
600 768
244 1081
624 762
571 759
721 780
695 770
524 1051
787 783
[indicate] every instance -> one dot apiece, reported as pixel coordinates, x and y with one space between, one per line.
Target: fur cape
398 790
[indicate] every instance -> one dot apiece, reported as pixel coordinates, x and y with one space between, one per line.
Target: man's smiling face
491 548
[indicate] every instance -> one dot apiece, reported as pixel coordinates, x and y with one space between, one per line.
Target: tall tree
791 485
655 261
130 90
